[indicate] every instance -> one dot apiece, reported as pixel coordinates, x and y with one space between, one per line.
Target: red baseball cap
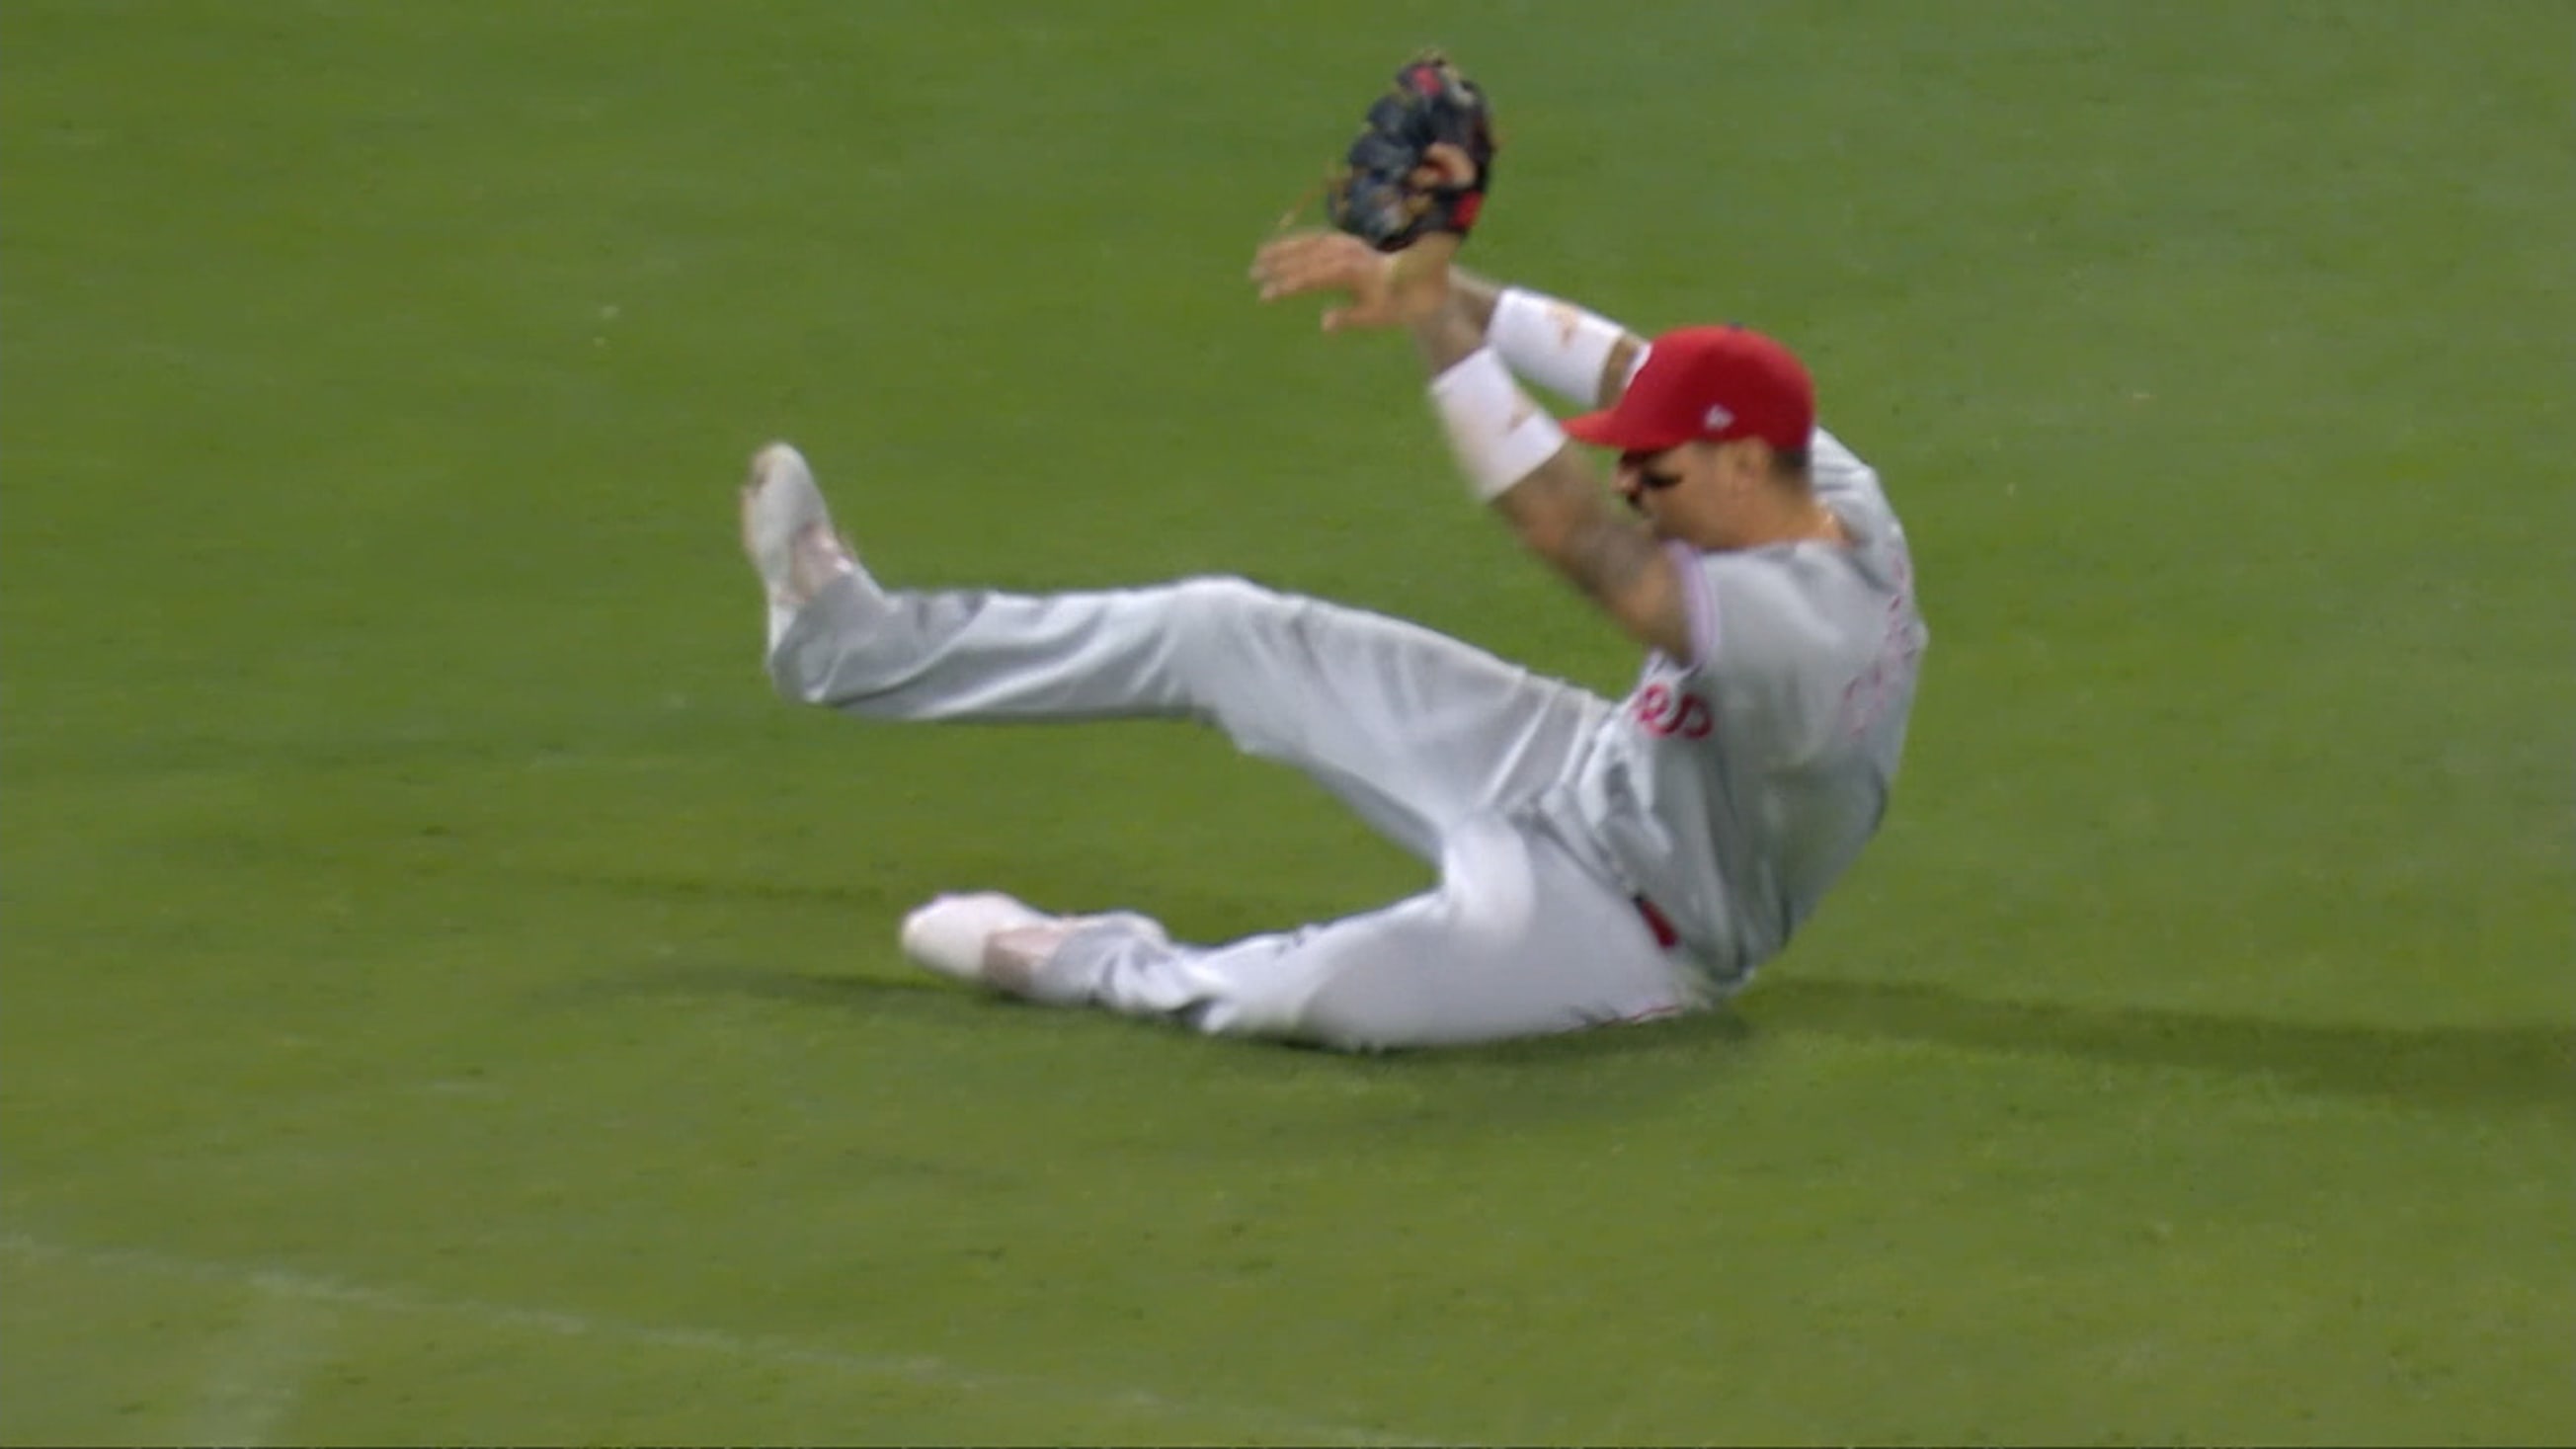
1707 384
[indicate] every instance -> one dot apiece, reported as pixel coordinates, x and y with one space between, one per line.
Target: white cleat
952 934
986 938
787 529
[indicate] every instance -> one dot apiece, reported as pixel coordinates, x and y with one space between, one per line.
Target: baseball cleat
950 935
787 529
986 938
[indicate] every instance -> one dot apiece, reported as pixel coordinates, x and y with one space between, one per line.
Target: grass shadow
2475 1068
874 997
2496 1069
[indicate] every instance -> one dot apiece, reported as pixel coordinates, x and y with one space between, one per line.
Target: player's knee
1216 615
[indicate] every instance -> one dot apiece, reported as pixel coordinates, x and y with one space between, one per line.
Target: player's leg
1413 729
1517 941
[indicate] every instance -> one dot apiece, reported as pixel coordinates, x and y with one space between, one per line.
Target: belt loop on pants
1666 937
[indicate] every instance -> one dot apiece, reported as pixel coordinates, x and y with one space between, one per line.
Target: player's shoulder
1774 598
1827 453
1792 605
1841 477
1789 568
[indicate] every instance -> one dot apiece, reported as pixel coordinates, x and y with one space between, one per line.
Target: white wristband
1555 344
1500 435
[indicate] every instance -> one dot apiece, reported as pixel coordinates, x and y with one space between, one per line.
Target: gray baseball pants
1433 742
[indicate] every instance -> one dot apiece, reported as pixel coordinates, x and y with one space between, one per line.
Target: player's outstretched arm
1571 351
1562 514
1578 354
1511 450
1557 505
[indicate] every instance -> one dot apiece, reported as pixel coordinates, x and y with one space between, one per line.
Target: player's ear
1766 463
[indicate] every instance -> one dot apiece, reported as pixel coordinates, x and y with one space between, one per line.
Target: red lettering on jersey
1900 646
1663 713
1695 721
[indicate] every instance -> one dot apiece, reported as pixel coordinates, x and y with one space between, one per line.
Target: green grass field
449 999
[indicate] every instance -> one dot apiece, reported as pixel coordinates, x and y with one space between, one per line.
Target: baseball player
1598 861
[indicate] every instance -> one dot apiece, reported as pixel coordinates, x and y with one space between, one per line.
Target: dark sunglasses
1648 478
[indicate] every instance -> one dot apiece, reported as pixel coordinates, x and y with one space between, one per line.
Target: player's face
1697 493
1663 486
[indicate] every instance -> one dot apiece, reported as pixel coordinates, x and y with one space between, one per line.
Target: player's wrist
1554 343
1417 278
1499 435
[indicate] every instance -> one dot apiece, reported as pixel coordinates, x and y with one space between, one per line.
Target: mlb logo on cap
1708 384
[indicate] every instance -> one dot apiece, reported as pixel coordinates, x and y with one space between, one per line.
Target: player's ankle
815 559
1015 958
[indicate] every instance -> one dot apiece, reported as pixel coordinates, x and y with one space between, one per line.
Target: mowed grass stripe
249 1396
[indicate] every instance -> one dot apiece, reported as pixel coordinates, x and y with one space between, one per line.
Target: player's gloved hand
1382 290
1421 162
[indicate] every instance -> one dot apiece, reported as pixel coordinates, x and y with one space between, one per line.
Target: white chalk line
257 1378
316 1289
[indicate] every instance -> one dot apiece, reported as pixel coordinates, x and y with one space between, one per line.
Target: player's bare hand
1329 263
1380 290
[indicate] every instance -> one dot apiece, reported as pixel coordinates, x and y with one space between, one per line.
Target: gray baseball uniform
1598 862
1739 784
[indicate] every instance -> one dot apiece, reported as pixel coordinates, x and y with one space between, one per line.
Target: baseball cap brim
1608 428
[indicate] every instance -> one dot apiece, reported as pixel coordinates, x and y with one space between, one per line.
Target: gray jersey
1730 789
